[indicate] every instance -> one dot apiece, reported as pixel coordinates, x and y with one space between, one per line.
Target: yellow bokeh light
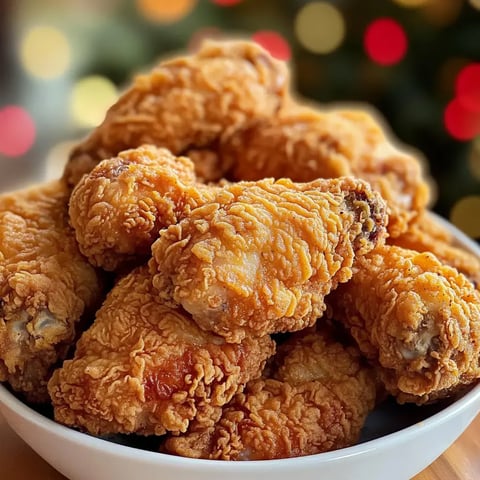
475 4
90 100
320 27
165 11
442 12
45 52
465 214
411 3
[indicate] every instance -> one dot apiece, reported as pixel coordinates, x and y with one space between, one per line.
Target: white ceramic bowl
398 442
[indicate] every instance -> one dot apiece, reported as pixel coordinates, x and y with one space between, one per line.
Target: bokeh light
460 122
320 27
385 41
442 12
56 159
465 214
468 86
274 43
475 4
165 11
411 3
226 3
45 52
17 131
91 97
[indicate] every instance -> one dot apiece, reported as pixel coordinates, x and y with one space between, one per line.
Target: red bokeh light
468 86
17 131
385 41
226 3
461 123
274 43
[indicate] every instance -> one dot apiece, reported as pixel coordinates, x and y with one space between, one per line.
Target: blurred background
64 62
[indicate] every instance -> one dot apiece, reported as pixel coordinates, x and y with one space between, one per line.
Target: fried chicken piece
146 368
261 256
304 144
416 318
316 401
46 286
426 234
118 209
187 103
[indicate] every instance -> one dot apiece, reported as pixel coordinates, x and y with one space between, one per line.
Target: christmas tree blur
417 62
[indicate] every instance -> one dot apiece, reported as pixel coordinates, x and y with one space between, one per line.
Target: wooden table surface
460 462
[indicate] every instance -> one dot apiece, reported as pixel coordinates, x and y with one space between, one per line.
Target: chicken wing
146 368
316 401
118 209
261 256
426 234
416 318
46 286
304 144
187 103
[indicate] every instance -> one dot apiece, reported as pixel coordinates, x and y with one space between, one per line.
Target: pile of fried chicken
237 273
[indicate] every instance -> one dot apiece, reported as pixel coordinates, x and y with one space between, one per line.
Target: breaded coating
316 401
416 318
46 286
187 103
118 209
303 144
148 369
426 234
261 257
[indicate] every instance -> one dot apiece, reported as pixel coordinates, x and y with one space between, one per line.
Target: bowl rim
469 399
8 400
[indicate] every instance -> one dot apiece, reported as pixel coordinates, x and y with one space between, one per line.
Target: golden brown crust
426 234
188 102
303 144
261 256
416 318
146 368
317 401
118 209
45 286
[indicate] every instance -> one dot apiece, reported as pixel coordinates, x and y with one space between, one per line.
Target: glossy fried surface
118 209
316 400
414 317
46 286
304 144
261 256
146 368
187 103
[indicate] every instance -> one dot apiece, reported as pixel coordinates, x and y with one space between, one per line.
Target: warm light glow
274 43
468 86
90 100
57 158
475 4
411 3
45 52
17 131
385 41
465 214
460 122
165 11
320 27
442 12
